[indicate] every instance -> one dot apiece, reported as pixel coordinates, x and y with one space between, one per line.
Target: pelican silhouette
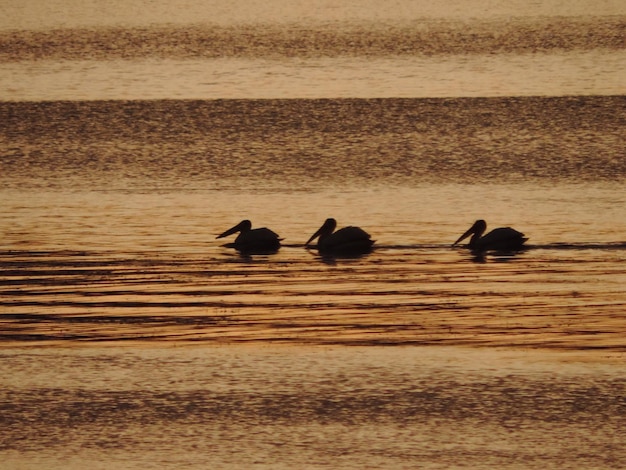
348 240
500 239
250 240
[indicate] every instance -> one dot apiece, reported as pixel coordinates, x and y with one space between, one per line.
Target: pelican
249 240
500 239
348 240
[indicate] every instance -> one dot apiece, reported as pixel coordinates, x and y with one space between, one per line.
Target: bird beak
315 235
230 231
464 236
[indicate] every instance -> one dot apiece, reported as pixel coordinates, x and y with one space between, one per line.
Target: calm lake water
133 133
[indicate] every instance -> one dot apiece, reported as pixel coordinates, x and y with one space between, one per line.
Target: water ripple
398 295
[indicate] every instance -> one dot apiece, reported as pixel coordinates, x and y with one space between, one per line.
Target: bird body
252 240
347 240
499 239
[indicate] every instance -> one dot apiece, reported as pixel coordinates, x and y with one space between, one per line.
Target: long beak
464 236
315 235
230 231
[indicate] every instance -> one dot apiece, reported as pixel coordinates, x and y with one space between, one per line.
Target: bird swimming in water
499 239
249 240
348 240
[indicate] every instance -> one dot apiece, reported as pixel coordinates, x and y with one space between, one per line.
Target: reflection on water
300 145
111 209
32 14
506 56
580 73
547 297
260 407
421 37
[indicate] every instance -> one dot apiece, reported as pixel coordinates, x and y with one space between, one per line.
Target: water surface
115 236
260 407
132 133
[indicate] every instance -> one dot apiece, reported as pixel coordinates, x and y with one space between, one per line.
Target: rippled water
110 212
357 51
115 237
259 407
417 59
400 295
132 338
